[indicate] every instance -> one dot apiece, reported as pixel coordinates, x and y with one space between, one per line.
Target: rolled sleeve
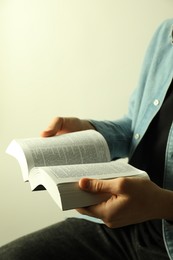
117 134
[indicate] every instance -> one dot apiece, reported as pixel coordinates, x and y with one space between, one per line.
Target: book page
108 170
74 148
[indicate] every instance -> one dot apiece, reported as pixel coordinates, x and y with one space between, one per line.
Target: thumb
95 185
54 127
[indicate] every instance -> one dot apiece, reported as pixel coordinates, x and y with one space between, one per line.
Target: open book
57 163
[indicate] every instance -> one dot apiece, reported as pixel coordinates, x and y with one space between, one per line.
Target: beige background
63 57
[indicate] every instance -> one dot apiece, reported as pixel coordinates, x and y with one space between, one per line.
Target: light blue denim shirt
124 135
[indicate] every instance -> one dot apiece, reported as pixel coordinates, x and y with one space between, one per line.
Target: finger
96 211
54 127
97 186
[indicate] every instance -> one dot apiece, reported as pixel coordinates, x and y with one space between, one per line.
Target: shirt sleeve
117 134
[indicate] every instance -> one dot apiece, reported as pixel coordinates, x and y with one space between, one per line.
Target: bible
57 163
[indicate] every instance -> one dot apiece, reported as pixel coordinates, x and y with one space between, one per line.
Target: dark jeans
82 239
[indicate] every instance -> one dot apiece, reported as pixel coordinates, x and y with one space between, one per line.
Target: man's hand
62 125
132 200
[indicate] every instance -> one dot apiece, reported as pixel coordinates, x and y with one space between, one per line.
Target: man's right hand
62 125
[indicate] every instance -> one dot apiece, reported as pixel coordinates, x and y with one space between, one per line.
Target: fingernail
85 184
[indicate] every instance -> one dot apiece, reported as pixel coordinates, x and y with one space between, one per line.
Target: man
138 210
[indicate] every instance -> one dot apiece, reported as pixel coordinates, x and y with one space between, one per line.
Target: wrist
86 125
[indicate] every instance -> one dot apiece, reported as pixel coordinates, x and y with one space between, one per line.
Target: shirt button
137 136
156 102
